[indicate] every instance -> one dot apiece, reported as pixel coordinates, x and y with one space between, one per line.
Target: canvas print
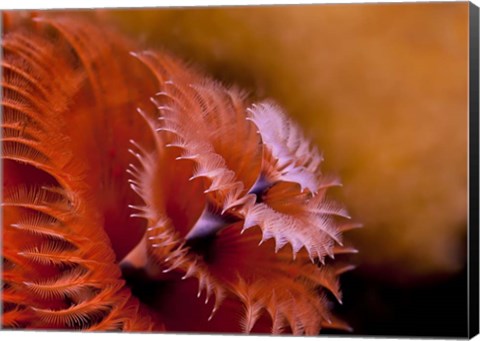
295 169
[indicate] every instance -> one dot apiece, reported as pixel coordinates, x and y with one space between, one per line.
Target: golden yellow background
381 88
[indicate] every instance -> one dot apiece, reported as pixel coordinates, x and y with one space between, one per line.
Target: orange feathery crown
137 190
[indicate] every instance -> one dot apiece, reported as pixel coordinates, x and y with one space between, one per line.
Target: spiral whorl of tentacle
224 191
245 166
59 269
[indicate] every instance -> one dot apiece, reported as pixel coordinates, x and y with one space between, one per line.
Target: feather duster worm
136 190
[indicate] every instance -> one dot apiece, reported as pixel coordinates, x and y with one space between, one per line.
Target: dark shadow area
435 309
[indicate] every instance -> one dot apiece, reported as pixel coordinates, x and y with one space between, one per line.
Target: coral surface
382 88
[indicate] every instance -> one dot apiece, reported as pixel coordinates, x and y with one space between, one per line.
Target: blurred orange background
381 88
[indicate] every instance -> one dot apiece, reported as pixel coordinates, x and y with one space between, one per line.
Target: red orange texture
123 166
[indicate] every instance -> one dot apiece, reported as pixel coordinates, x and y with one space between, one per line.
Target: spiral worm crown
118 160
